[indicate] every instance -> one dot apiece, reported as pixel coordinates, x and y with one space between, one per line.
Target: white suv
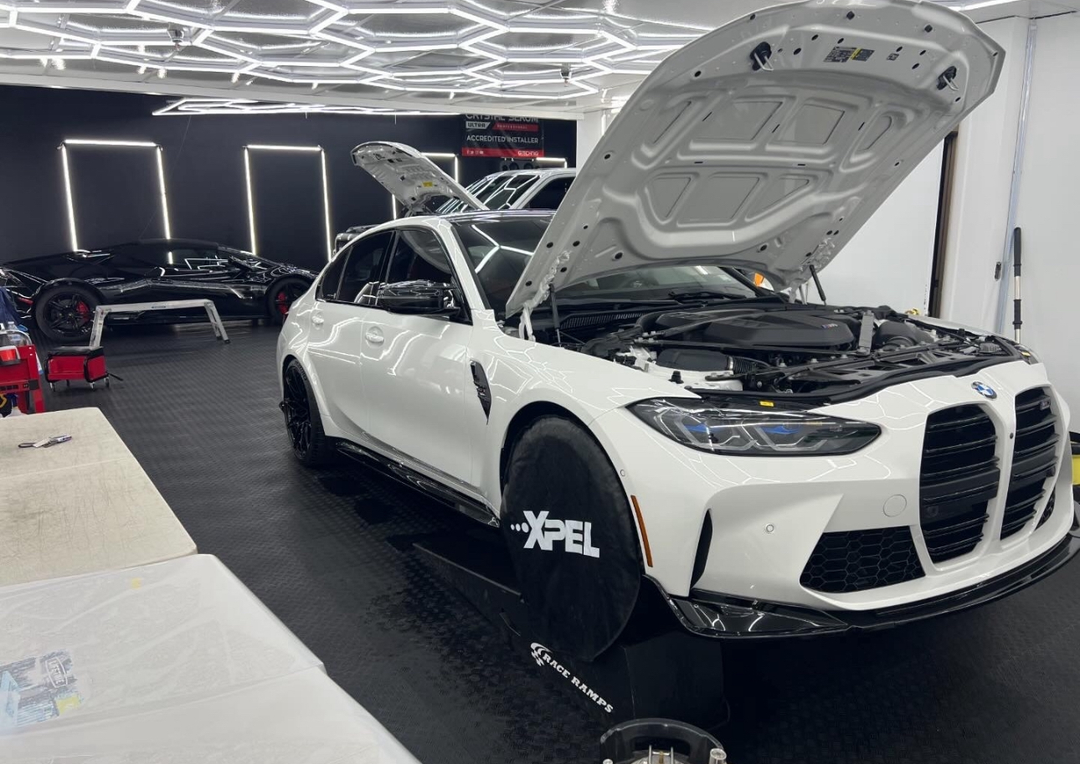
604 386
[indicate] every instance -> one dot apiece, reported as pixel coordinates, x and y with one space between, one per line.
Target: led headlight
744 432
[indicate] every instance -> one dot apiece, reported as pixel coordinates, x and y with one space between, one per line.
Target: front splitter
721 617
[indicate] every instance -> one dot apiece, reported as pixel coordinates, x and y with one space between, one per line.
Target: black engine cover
789 329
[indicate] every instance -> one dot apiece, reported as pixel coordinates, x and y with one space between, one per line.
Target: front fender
522 373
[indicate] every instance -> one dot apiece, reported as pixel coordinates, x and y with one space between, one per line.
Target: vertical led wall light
65 160
325 185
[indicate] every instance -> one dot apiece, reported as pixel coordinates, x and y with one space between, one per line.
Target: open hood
412 178
767 143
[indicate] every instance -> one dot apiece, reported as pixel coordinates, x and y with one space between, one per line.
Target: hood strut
525 330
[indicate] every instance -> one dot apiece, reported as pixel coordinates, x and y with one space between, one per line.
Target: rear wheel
65 313
302 419
282 295
567 525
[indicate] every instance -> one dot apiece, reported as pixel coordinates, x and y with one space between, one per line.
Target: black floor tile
326 551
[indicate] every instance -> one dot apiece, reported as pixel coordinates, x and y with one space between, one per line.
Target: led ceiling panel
412 53
530 57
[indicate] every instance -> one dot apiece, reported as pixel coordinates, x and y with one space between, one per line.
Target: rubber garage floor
328 551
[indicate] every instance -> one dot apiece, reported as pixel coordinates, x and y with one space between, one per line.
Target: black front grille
1034 460
1046 512
958 478
851 561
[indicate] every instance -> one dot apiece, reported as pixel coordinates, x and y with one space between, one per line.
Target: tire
581 590
303 422
282 294
65 313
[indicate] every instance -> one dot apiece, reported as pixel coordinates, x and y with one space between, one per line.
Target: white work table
78 507
173 662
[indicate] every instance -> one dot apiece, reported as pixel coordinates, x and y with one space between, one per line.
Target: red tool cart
84 363
19 371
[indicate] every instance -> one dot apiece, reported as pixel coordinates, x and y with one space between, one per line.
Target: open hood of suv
767 143
412 178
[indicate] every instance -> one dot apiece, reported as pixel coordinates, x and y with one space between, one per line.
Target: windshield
497 192
500 249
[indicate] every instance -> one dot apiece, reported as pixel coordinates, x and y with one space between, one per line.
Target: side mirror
416 297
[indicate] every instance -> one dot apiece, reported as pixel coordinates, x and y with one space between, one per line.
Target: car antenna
817 283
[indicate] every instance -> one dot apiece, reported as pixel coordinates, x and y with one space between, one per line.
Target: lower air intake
852 561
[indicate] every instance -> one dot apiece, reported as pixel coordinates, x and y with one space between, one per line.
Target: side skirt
406 475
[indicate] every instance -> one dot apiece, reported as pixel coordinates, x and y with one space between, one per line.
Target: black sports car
59 292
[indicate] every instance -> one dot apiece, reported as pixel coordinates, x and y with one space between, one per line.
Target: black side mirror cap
416 297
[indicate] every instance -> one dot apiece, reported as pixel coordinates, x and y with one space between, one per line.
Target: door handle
374 335
317 319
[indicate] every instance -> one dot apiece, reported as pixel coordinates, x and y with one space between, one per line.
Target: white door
416 367
335 350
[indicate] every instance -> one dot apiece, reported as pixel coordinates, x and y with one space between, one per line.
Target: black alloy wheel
302 419
66 313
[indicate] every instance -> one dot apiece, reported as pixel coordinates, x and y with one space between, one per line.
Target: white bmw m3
605 386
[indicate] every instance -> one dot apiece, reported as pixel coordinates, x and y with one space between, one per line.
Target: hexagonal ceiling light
408 55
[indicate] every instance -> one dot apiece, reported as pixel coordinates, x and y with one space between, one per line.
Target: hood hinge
543 289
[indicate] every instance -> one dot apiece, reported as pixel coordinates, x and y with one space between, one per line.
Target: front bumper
714 616
746 528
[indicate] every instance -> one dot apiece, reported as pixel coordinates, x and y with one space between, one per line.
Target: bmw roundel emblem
984 390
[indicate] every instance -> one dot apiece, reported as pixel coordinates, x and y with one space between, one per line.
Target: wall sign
510 137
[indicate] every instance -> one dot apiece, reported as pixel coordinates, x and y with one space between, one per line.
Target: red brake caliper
83 310
282 303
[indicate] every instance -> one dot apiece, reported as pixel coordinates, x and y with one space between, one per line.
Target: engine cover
796 329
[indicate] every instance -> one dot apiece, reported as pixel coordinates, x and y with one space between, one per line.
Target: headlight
1026 353
743 432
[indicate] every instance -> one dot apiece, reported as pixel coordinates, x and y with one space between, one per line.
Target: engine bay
773 346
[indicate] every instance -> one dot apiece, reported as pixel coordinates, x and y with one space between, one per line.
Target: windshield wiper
704 294
606 302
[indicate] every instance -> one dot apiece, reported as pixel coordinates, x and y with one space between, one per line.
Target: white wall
980 191
888 262
1047 203
589 130
1049 207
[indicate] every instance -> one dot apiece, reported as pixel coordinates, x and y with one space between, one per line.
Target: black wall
116 189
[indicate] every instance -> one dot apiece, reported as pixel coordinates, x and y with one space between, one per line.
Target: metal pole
1017 172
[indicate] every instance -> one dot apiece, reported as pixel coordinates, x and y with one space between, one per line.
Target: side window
141 256
550 196
419 256
365 262
209 260
186 258
331 277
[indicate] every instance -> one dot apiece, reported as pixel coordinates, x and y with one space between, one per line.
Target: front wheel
65 313
302 419
282 295
569 530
